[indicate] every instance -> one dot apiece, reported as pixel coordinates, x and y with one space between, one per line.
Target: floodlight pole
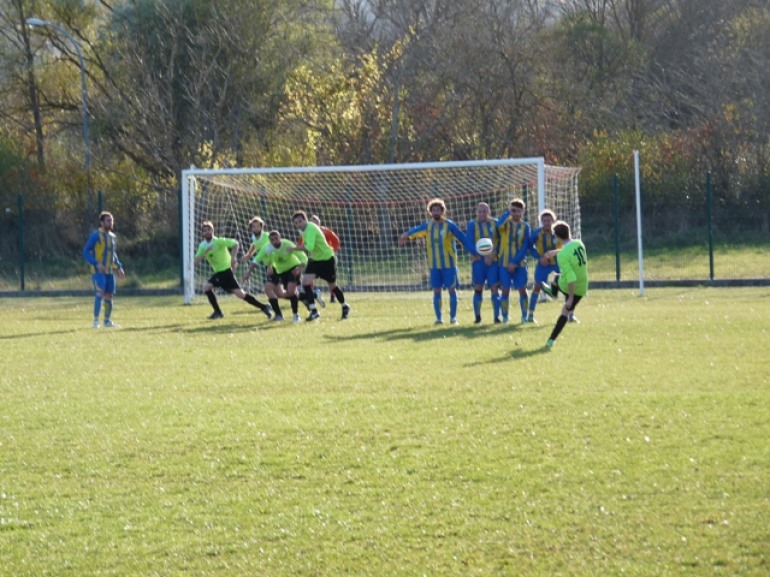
37 22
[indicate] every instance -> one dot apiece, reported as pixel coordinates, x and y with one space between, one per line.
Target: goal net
368 207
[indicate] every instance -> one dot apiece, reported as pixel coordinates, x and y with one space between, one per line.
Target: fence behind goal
368 207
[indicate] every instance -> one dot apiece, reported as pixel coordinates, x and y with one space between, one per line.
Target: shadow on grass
39 334
430 333
512 356
199 327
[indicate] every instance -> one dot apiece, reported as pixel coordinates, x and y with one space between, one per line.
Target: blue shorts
443 278
104 282
518 279
481 273
542 272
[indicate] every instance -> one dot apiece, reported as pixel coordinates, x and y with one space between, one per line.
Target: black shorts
323 269
575 301
225 280
288 277
273 278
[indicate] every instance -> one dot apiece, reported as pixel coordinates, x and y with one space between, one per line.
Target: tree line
220 83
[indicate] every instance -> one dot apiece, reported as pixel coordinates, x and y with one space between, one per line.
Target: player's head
299 220
436 208
106 220
315 219
256 225
561 230
207 229
516 208
482 211
547 218
275 238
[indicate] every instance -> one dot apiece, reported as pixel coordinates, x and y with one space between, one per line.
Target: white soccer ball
485 246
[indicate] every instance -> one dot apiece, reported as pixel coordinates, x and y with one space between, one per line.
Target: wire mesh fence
692 240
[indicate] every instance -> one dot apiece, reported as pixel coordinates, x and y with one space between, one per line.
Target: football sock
309 296
453 304
504 302
533 302
523 304
496 305
253 302
97 306
213 301
339 294
294 304
437 305
277 307
107 309
478 296
560 323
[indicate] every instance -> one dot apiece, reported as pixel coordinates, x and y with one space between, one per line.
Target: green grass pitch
385 446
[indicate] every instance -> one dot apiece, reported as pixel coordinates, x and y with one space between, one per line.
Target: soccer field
385 446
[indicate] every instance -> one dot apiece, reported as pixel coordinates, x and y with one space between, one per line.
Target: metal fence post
616 196
710 218
21 240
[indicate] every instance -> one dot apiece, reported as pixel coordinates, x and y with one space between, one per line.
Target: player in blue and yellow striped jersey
484 269
542 240
512 256
440 235
100 251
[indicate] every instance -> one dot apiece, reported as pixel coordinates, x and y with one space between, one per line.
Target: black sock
253 302
340 295
294 304
309 296
213 300
276 307
560 322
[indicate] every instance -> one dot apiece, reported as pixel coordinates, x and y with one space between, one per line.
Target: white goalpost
368 207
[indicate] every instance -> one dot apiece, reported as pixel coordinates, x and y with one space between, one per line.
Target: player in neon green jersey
322 264
259 238
284 270
572 279
216 250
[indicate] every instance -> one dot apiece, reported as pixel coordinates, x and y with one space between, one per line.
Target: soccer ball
485 246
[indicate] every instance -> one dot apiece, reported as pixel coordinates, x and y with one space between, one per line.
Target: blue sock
437 305
523 303
97 306
504 302
107 309
533 302
477 298
452 305
496 305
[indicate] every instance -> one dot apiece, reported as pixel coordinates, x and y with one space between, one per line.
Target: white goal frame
533 184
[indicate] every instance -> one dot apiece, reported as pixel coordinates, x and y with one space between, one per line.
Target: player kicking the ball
573 278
